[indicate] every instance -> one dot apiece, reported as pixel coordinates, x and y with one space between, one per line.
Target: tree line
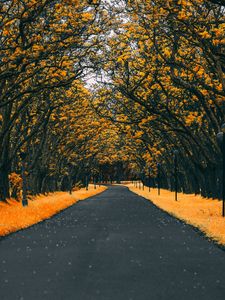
166 84
159 85
46 48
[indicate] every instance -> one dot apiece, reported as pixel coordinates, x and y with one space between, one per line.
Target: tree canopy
110 89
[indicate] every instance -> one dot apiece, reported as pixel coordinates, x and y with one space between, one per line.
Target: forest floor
13 216
205 214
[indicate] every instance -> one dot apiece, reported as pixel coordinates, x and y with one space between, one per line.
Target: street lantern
221 141
23 156
175 153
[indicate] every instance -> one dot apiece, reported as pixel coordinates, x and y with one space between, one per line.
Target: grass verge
14 217
205 214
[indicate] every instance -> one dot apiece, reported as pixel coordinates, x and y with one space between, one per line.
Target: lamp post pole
24 179
149 180
223 212
70 177
175 172
221 140
143 180
86 181
99 178
139 181
94 182
158 173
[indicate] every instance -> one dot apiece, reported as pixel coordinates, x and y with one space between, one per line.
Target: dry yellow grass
14 217
204 214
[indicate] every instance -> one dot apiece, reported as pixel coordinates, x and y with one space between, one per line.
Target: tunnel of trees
108 90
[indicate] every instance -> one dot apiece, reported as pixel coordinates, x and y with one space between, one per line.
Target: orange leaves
14 217
37 48
15 180
87 16
58 6
205 35
138 134
46 34
193 209
183 15
163 65
219 32
193 117
81 137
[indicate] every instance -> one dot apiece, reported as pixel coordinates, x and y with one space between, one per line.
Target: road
113 246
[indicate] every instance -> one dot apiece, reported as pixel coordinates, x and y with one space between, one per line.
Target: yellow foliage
205 35
15 180
195 210
14 217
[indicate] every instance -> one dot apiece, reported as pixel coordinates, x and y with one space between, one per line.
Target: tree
44 45
166 70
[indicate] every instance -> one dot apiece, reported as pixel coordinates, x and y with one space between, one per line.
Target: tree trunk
4 183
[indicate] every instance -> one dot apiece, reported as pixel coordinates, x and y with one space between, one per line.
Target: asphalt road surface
115 246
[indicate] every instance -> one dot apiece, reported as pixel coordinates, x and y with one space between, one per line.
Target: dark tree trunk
4 182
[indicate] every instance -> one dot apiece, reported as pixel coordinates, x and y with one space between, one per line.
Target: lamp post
136 180
139 181
143 180
99 178
221 141
102 179
158 179
86 181
23 155
175 152
149 180
94 182
70 177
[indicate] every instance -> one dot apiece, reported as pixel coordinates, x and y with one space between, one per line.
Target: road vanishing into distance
113 246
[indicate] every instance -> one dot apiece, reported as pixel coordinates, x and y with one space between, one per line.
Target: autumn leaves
167 68
44 52
160 85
